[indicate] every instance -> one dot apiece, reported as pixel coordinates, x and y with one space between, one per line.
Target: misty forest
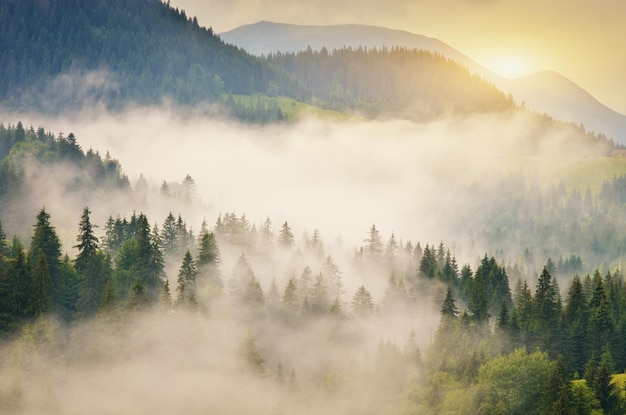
348 231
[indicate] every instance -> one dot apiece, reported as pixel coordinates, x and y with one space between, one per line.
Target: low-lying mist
416 181
408 178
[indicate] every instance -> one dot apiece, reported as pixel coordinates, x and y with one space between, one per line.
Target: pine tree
546 312
557 393
503 320
88 243
89 266
605 390
138 298
109 297
186 279
290 298
169 235
478 303
41 300
149 260
374 243
285 236
362 303
46 240
209 259
448 308
428 264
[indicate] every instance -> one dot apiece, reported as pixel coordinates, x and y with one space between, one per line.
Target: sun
510 66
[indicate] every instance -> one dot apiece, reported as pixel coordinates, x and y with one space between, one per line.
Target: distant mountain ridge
544 92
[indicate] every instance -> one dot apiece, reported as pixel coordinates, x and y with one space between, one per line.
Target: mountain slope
396 82
543 92
65 53
266 37
554 94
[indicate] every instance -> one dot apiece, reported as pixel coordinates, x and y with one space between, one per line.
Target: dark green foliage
428 265
478 301
260 111
132 51
546 312
149 261
18 145
91 266
186 280
557 393
41 299
209 259
46 241
138 299
448 308
605 390
109 297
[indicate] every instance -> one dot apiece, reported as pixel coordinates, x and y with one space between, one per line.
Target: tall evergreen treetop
46 241
87 243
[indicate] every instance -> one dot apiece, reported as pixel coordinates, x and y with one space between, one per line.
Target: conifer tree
87 243
557 393
40 300
478 303
46 240
605 390
285 236
90 268
362 303
209 259
374 243
186 279
109 297
448 308
138 298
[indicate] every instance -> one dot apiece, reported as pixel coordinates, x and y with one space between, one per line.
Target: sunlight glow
510 66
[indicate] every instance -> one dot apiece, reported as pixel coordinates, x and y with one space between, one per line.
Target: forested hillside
496 349
63 54
398 81
20 146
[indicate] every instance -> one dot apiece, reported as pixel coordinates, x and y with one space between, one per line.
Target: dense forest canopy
63 54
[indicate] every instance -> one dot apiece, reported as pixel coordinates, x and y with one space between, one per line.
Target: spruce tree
209 259
186 279
478 303
285 236
40 300
362 303
557 393
46 240
90 268
448 308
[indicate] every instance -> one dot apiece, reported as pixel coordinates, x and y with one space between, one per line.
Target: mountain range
544 92
60 55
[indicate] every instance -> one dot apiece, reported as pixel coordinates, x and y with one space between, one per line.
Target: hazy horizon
512 39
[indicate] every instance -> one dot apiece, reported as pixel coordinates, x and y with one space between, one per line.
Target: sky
581 39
